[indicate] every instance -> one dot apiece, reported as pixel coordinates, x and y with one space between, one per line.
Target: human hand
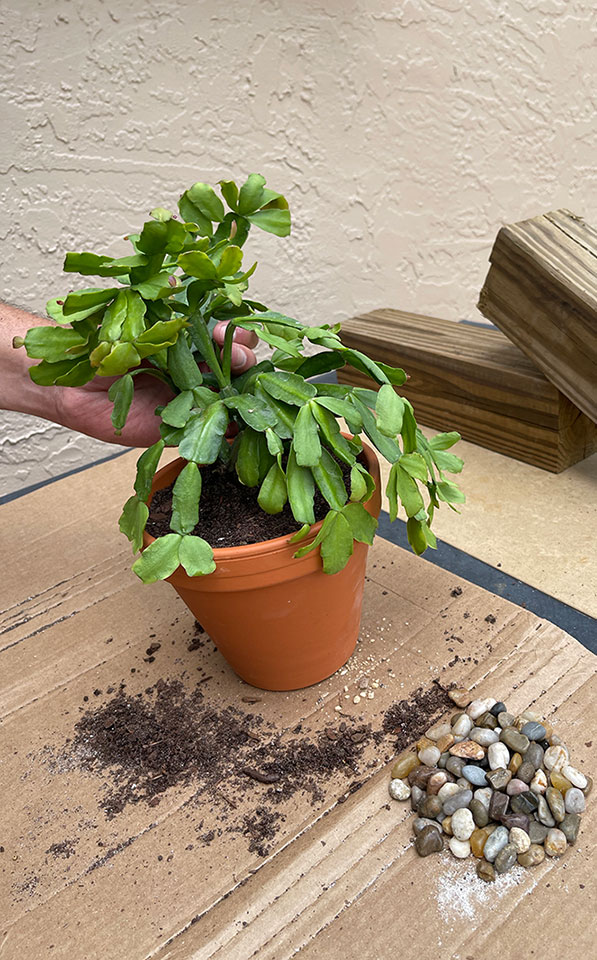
88 409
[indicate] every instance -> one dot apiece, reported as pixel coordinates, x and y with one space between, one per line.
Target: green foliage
184 274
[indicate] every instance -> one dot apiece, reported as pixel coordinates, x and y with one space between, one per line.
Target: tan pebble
467 749
437 731
559 781
404 765
548 729
436 782
533 856
520 839
555 843
515 763
423 743
460 697
444 743
555 741
589 785
447 826
477 841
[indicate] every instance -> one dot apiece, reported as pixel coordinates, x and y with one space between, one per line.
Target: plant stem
202 340
227 351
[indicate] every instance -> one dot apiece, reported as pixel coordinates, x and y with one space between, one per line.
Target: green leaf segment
185 273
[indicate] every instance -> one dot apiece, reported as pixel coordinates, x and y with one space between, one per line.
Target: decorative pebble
447 826
556 804
463 783
417 795
436 782
586 790
576 778
534 754
524 802
519 839
437 731
462 823
515 763
457 801
515 787
505 719
460 697
485 871
444 743
526 771
486 721
483 736
420 775
499 779
574 801
455 765
448 790
498 708
477 707
479 812
570 826
494 843
544 813
537 831
429 756
429 840
419 823
468 750
555 757
498 805
403 767
484 796
514 740
511 820
533 730
506 858
399 789
534 855
474 775
478 840
559 781
498 756
460 848
555 843
539 782
431 807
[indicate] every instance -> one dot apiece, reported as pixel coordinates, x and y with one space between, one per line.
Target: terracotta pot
281 623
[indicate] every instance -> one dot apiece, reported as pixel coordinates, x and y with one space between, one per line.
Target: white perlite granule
460 891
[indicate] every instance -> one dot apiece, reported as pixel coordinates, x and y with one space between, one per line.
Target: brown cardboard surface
341 879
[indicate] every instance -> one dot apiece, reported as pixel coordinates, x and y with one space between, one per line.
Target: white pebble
463 726
484 795
438 731
539 782
574 800
498 756
448 790
576 778
399 789
477 707
484 737
462 823
555 757
520 839
429 756
460 848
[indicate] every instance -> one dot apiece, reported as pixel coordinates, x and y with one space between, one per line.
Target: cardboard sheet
339 878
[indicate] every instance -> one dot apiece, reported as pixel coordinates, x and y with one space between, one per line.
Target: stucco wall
403 133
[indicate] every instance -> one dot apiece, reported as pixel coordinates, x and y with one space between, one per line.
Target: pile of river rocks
493 784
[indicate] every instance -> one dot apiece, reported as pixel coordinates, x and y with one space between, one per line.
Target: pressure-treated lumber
541 291
472 379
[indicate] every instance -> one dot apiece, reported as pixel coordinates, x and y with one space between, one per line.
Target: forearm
17 390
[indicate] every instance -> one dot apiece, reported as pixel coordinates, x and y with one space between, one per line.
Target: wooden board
341 879
472 379
541 291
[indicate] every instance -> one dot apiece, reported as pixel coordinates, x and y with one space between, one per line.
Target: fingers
247 337
241 358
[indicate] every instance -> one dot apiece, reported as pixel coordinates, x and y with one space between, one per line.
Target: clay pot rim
276 544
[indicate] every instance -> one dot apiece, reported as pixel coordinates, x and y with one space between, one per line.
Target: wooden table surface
341 879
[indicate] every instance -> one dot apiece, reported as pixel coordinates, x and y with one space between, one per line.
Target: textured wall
403 133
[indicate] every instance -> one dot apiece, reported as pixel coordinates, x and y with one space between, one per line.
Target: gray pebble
498 805
479 812
534 754
417 795
494 843
506 858
419 823
429 840
534 731
544 813
505 719
524 803
514 740
499 779
474 775
574 800
484 737
526 771
431 807
556 803
537 832
570 826
455 765
457 801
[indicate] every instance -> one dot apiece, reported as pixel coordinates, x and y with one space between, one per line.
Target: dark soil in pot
229 514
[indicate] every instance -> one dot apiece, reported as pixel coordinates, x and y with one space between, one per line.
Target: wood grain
541 291
472 379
